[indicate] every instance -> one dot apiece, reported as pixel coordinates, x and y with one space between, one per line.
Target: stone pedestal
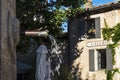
9 36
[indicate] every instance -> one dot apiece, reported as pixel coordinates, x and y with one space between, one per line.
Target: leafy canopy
48 15
54 12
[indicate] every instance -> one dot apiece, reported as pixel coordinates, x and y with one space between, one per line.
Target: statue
42 63
46 63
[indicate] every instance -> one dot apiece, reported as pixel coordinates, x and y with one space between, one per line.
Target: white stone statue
42 64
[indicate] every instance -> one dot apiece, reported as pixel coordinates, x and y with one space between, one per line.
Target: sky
99 2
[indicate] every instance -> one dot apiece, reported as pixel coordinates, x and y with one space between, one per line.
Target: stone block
9 37
8 70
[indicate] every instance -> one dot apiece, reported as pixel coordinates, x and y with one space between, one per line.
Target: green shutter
91 60
109 59
97 27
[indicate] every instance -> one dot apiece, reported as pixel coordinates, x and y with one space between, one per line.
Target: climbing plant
114 35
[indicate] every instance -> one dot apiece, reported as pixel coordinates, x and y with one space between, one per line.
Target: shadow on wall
76 70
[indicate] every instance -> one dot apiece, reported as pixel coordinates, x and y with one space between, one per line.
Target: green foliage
110 73
27 9
73 12
107 32
114 35
54 12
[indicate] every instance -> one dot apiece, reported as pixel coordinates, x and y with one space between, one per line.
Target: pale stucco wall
83 62
112 18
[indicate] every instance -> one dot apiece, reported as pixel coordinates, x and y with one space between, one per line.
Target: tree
48 15
45 15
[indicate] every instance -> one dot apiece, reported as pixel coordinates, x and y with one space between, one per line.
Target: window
93 28
100 59
90 28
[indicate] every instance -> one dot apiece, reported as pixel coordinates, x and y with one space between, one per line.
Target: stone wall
9 36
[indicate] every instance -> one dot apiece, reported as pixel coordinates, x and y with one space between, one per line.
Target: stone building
9 37
88 52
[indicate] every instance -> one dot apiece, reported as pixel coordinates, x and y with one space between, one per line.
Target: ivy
110 73
107 32
114 35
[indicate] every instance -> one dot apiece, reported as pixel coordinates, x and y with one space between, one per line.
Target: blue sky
99 2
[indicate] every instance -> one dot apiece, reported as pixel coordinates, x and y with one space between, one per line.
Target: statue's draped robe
42 66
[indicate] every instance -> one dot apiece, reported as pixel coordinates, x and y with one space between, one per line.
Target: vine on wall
114 35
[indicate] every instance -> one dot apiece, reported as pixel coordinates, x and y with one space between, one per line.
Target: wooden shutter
97 27
91 60
109 59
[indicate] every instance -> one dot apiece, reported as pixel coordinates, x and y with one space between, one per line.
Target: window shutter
97 27
109 59
91 60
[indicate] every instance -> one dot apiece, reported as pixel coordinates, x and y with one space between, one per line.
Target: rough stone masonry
9 37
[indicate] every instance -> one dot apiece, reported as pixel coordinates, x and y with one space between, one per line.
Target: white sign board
99 43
